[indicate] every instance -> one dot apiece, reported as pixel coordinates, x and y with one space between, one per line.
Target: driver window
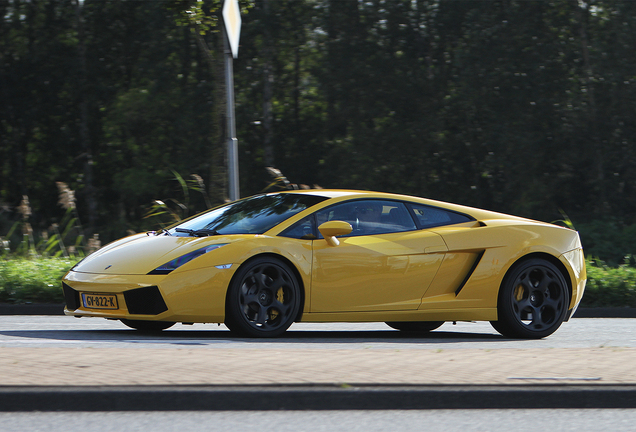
369 217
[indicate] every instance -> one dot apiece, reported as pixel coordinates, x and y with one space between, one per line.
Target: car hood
142 253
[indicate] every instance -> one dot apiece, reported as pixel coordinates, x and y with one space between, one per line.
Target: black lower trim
71 297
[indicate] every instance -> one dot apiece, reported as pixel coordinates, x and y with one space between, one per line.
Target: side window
428 217
368 217
303 229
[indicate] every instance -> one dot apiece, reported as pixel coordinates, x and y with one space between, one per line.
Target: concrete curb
606 312
314 397
58 309
32 309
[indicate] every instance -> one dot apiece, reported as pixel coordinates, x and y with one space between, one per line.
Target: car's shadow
204 337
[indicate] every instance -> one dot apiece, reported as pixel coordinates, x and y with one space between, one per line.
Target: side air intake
145 301
71 297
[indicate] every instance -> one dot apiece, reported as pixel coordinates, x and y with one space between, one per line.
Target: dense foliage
38 281
609 286
515 106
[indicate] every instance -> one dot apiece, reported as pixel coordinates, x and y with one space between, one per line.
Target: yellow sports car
261 263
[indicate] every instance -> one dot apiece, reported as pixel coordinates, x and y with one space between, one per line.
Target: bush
37 280
33 280
609 286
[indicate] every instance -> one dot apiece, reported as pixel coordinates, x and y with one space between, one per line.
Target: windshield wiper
199 232
158 233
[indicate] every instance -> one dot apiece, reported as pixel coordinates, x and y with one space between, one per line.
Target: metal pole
232 141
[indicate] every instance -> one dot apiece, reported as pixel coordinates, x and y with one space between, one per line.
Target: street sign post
232 30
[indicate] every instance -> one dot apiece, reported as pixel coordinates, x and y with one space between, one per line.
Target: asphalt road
326 421
62 332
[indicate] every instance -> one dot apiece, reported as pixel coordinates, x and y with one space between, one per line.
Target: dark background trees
515 106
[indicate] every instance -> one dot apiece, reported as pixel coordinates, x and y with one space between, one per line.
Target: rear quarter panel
502 242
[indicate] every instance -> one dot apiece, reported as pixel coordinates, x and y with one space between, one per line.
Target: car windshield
254 215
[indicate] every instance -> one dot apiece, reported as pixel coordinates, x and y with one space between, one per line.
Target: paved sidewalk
247 366
117 379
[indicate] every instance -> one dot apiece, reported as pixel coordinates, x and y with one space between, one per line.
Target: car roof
478 214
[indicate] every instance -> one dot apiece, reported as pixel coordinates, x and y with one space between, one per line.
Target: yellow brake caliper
280 296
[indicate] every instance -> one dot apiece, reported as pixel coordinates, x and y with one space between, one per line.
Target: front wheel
263 299
148 326
415 326
533 300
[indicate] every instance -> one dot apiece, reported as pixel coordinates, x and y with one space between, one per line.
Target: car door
385 264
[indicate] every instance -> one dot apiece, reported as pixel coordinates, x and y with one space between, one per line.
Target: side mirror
330 230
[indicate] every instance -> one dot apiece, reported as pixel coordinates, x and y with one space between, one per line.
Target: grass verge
37 280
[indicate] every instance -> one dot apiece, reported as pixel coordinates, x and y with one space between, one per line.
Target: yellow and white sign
232 20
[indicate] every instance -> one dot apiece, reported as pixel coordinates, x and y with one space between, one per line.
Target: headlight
178 262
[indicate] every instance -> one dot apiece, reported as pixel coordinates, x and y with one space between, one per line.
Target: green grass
38 280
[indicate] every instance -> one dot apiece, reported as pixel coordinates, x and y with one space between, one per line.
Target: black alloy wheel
147 326
415 326
263 299
533 300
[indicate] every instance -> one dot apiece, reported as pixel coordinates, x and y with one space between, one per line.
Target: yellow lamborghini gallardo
261 263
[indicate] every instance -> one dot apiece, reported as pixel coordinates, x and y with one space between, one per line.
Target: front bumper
191 296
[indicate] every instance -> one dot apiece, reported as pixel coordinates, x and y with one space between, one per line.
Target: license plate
100 301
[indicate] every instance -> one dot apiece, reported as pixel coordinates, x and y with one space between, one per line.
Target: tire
148 326
415 326
533 300
263 299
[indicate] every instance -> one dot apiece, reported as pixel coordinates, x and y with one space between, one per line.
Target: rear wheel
147 326
533 300
415 326
263 299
